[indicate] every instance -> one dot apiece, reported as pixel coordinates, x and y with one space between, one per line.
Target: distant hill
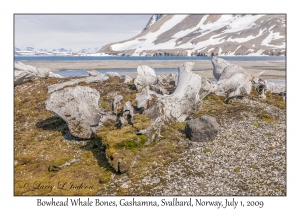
185 35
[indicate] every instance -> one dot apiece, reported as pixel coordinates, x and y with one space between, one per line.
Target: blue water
90 58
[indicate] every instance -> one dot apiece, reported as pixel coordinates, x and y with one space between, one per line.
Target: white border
8 201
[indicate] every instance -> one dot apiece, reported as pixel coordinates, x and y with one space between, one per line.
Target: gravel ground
248 157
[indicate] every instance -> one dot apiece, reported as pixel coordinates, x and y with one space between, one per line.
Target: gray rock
93 73
98 78
146 76
21 77
125 79
202 129
78 107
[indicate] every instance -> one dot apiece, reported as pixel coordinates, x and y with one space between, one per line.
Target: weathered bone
177 106
98 78
219 65
78 107
146 76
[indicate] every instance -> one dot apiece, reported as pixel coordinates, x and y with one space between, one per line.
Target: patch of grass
253 166
173 130
275 99
207 150
104 104
171 145
17 100
61 160
141 121
267 118
237 170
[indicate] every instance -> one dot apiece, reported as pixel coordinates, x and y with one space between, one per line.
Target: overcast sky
75 32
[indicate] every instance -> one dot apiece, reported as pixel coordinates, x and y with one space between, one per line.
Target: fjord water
83 72
91 58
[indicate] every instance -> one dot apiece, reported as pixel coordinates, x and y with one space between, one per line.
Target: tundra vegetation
47 154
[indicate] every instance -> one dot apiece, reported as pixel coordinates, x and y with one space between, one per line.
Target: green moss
17 100
207 150
61 161
253 166
237 170
24 159
255 124
104 104
105 178
266 117
171 145
142 138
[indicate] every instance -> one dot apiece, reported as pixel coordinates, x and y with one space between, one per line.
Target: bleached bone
234 80
78 107
98 78
146 76
39 72
183 102
219 65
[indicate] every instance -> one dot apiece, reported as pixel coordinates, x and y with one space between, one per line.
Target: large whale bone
235 81
183 102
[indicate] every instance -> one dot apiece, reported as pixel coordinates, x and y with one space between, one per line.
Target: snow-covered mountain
89 50
206 35
152 20
58 50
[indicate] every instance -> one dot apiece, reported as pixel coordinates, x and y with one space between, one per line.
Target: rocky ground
248 156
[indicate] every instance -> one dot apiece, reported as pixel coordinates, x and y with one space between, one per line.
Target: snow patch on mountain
152 20
207 35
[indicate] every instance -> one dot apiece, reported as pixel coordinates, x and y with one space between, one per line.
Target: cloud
75 31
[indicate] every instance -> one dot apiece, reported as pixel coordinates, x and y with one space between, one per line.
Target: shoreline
273 69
